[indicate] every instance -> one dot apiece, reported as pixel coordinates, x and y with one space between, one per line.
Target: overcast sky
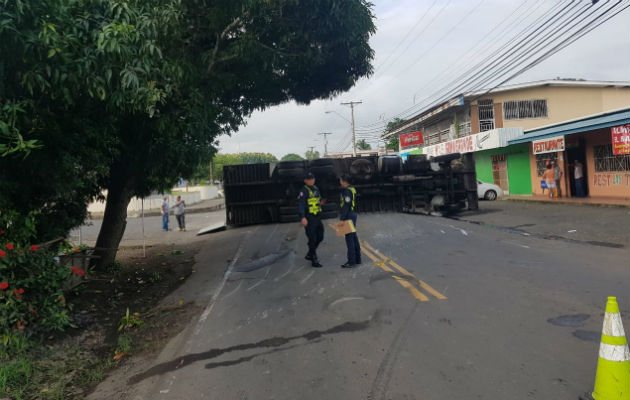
438 33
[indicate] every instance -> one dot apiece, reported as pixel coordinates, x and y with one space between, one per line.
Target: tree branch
220 37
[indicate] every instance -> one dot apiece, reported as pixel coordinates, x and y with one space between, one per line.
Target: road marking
415 292
285 274
260 282
383 259
344 299
233 291
307 277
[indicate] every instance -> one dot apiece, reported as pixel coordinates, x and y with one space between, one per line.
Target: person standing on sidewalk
550 177
309 207
557 177
348 205
180 213
164 212
578 174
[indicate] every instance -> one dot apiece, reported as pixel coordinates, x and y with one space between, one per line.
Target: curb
567 202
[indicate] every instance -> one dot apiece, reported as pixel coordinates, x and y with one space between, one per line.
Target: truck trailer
267 192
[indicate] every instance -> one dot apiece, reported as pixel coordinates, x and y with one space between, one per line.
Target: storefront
507 167
605 167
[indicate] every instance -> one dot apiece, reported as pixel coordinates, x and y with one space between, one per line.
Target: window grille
542 160
522 109
606 161
464 129
486 115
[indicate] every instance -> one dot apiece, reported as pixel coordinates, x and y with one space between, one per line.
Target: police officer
348 204
309 208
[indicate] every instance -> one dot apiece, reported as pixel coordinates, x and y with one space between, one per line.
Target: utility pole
310 147
354 139
325 141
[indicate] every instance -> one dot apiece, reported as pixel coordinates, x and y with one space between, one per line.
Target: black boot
347 265
309 256
315 263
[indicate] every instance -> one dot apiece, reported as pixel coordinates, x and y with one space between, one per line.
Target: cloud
440 46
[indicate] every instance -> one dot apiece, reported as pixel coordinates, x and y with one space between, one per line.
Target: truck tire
389 165
362 169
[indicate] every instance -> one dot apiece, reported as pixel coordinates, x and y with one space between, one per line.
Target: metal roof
596 121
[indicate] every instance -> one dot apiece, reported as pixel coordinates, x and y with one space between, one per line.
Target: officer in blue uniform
348 205
309 208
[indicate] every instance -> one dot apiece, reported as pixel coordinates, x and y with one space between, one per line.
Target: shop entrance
500 172
576 151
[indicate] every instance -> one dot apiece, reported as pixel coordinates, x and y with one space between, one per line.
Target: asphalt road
440 309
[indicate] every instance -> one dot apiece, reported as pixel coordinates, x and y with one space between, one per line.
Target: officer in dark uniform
348 205
309 208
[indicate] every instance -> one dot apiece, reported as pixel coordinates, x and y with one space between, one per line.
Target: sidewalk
597 201
602 226
201 207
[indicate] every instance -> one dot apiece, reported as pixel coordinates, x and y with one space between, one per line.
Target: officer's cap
309 175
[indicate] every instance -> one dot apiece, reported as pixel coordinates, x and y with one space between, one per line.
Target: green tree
292 157
221 160
311 154
393 141
363 145
140 90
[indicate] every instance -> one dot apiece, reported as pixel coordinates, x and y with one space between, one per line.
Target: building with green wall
508 167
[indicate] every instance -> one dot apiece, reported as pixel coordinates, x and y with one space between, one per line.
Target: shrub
31 281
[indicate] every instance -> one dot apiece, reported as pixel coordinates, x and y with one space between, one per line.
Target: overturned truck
265 193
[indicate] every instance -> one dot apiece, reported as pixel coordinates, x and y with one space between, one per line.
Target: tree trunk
114 220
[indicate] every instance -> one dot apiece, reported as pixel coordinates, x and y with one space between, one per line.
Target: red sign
410 139
621 139
548 145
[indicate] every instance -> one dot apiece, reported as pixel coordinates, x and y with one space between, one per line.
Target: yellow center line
415 292
402 270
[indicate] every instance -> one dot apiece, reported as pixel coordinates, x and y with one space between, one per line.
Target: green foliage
393 141
131 96
311 154
363 145
129 321
31 282
14 376
125 344
292 157
221 160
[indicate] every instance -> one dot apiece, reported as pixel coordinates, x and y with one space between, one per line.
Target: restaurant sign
550 145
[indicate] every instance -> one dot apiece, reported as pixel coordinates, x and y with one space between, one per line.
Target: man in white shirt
578 173
180 213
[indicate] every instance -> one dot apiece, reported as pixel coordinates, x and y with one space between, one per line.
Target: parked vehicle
264 193
488 191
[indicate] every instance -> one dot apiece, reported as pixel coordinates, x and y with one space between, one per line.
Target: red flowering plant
31 280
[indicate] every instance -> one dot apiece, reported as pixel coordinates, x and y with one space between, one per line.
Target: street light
330 112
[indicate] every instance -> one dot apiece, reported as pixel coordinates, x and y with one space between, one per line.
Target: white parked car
488 191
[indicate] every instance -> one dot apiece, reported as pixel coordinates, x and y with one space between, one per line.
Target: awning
597 121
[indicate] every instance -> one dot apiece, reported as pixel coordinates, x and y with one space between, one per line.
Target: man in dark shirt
348 205
309 209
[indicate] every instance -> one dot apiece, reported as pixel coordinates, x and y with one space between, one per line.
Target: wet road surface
440 309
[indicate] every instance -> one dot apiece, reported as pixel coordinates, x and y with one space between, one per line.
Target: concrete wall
609 183
206 192
563 103
150 203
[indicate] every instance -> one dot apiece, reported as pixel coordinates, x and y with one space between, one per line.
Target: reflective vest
313 202
354 195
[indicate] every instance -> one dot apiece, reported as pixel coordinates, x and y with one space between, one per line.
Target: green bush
31 282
